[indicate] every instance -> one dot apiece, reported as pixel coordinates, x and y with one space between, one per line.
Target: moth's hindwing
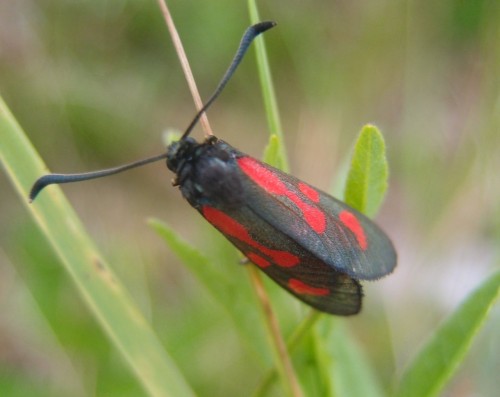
287 262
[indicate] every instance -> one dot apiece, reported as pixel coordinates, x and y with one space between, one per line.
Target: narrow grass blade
237 301
344 365
105 296
367 179
441 356
268 94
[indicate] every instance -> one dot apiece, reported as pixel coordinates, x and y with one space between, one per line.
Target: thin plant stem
284 363
293 341
185 65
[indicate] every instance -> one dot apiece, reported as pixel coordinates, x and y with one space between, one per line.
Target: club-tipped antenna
58 179
251 33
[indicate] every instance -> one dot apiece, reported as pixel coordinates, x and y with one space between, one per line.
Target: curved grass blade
238 302
346 368
103 293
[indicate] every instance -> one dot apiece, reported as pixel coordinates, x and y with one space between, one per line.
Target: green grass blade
367 179
268 94
345 366
440 357
239 302
105 296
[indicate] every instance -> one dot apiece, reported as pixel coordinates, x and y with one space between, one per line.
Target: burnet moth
311 244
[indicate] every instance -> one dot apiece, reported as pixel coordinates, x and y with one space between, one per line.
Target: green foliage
103 292
235 298
440 357
345 366
267 87
367 178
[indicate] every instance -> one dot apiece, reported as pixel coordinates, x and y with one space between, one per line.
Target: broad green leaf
367 178
236 300
104 294
442 354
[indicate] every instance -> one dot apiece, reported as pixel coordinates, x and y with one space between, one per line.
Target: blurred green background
94 84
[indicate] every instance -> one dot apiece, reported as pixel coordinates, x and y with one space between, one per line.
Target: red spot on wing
230 227
314 218
281 258
262 176
303 289
352 223
272 184
309 192
258 260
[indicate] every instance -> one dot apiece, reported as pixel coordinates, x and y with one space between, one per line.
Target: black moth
311 244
